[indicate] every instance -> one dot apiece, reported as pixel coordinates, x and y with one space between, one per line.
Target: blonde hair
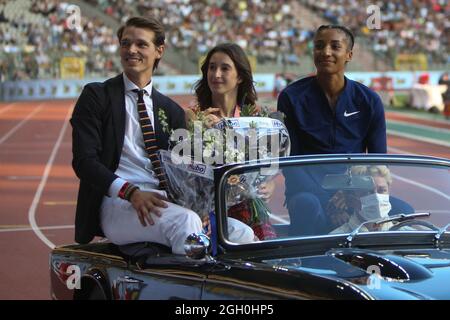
380 170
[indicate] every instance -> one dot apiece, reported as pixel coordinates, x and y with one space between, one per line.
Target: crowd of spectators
36 34
407 26
271 32
119 10
266 30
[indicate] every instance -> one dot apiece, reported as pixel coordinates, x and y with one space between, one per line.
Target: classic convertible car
336 227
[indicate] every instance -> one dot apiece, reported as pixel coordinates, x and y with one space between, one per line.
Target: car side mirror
197 246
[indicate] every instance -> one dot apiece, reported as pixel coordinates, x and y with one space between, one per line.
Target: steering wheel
413 223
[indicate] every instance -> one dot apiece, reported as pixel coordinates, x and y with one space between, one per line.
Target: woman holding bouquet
226 84
225 88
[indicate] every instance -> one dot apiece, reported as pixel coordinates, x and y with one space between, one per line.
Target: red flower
244 213
241 212
264 231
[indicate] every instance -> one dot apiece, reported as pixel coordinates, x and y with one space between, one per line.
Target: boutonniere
163 120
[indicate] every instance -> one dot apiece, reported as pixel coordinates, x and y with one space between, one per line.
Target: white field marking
418 138
68 226
59 203
278 219
416 116
423 186
421 126
37 196
413 182
20 124
9 106
401 151
23 177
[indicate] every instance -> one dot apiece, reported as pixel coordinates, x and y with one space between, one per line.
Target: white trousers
121 225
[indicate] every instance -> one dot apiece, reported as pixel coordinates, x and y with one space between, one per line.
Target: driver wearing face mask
361 206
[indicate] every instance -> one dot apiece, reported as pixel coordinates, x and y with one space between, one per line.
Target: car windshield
310 198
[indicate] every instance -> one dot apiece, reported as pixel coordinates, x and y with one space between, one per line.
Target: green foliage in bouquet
249 110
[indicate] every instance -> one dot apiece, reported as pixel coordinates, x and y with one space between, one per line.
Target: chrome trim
330 158
81 252
128 279
275 291
400 218
171 273
197 246
439 233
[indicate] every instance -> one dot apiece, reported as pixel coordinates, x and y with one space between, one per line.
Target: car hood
387 274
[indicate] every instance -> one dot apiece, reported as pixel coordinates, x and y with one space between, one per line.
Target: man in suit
119 195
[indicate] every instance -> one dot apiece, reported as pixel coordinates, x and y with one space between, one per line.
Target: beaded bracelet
126 191
130 191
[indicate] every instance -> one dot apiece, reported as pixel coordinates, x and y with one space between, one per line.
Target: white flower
262 151
240 156
208 151
234 155
163 120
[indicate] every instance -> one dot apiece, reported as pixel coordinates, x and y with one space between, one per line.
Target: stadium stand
34 34
407 26
273 36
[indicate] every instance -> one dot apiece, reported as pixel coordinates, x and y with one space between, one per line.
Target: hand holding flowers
212 141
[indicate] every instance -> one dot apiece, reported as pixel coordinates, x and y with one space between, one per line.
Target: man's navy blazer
98 123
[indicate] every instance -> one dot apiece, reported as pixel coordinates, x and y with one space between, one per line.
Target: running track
38 189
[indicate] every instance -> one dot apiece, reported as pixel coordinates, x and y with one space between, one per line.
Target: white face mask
375 206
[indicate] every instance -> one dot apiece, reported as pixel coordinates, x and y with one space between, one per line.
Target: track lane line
414 183
61 227
417 117
37 196
21 123
401 151
422 186
421 126
417 138
8 106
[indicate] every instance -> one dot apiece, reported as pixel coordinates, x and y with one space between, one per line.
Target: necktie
150 139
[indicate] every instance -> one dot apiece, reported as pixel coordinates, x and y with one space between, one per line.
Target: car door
240 280
166 278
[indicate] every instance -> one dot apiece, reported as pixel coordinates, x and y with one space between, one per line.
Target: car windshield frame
222 173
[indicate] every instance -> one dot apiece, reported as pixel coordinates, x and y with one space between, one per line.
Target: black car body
409 259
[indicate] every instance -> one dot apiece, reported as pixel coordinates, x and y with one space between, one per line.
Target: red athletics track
416 120
401 145
38 187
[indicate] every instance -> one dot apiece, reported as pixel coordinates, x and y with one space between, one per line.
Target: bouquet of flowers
190 184
244 204
190 162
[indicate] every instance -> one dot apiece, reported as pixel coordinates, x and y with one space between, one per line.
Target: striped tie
150 140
